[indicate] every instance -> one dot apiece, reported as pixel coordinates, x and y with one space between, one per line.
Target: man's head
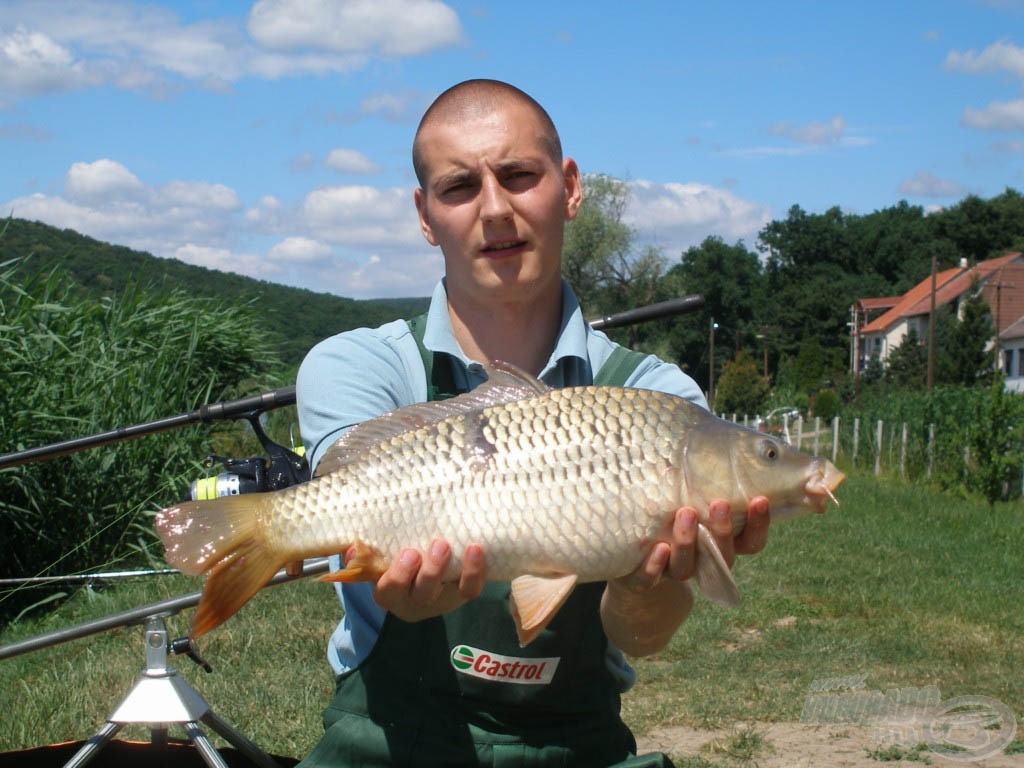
476 97
495 193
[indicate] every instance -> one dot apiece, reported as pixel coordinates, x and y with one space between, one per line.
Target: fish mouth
825 479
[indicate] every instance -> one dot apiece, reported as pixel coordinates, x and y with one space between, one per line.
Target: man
494 194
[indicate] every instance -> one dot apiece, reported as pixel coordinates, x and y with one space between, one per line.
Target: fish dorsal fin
505 384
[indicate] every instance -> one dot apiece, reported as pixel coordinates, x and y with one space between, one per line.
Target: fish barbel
559 486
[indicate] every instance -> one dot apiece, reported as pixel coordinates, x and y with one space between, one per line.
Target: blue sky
272 138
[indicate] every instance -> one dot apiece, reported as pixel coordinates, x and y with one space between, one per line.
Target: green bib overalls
458 690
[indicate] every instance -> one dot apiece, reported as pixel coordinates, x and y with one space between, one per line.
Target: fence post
835 438
799 431
878 449
856 439
931 449
903 452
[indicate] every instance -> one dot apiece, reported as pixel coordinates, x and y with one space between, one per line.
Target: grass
901 584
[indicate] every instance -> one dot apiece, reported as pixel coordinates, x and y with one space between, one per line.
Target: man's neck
521 334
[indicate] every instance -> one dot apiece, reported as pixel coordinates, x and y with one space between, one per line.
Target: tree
741 388
729 278
907 366
597 242
970 362
980 229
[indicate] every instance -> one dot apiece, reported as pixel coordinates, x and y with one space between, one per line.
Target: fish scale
557 486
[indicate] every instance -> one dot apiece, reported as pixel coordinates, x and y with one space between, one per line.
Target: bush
741 389
826 404
80 367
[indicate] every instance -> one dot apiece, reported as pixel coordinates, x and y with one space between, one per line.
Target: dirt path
793 745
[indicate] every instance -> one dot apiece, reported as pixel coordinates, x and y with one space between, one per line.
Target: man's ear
573 188
420 198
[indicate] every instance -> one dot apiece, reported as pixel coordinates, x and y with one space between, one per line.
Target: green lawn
902 584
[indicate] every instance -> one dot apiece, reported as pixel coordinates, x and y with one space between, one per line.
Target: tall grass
903 584
73 367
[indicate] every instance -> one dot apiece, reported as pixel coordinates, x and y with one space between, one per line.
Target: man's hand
642 610
412 587
676 557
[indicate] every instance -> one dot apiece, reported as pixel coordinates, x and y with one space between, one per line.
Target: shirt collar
570 347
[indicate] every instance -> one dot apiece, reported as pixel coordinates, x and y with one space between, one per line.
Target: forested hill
299 318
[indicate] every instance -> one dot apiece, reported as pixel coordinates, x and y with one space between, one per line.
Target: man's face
496 202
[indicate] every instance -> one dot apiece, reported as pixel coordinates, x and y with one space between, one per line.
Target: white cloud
33 62
225 260
299 250
363 216
105 200
406 273
63 45
351 161
925 184
102 178
815 133
394 27
997 116
998 57
677 215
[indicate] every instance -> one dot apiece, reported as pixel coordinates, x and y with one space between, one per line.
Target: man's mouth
498 247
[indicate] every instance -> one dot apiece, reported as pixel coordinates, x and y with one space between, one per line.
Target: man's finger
755 534
720 526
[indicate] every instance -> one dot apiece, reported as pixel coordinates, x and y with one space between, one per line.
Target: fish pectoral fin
713 574
535 600
366 564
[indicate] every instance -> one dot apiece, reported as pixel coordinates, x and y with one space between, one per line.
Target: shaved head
477 98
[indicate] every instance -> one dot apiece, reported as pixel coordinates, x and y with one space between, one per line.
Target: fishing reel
283 468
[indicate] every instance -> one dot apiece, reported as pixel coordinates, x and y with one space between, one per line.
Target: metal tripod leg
161 698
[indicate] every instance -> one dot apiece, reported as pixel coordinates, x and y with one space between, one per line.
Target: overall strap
438 370
618 367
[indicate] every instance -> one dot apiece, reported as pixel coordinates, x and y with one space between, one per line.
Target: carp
559 486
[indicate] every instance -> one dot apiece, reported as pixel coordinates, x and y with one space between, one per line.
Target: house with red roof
878 326
1011 342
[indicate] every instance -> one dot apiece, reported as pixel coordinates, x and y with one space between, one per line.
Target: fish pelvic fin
224 539
713 574
535 600
365 564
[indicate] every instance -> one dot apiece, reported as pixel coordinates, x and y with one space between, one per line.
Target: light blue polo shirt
361 374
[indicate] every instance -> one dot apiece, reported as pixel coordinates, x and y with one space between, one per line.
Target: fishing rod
245 408
139 615
649 312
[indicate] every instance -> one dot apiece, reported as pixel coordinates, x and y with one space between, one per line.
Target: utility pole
931 329
711 366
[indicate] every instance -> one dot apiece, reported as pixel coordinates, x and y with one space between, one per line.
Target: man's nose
494 202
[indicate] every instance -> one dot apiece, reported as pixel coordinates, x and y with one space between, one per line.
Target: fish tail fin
223 538
713 574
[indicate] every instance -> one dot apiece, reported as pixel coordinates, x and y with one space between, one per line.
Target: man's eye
520 179
456 190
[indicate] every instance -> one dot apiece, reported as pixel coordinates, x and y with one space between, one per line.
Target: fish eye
769 450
